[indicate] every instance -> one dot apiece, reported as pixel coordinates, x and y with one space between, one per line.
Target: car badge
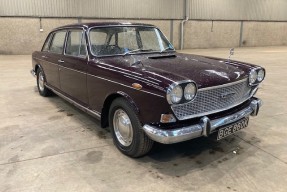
227 95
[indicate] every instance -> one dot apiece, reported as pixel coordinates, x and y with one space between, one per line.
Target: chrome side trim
125 85
102 78
46 61
85 109
204 127
61 66
72 69
127 74
119 68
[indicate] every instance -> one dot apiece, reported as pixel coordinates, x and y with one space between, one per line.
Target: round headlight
252 77
260 75
176 94
189 91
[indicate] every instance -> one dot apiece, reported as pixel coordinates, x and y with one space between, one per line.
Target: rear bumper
203 128
33 73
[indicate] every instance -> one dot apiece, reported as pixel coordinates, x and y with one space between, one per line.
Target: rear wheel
127 131
43 90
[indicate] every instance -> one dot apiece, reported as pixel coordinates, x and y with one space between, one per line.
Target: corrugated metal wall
266 10
157 9
271 10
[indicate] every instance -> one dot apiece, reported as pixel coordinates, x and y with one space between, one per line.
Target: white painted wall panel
261 10
157 9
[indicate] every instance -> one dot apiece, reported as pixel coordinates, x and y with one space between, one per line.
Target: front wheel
43 90
127 131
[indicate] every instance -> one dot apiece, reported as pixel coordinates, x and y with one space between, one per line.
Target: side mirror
231 52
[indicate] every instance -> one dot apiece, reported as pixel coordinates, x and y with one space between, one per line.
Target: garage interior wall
211 24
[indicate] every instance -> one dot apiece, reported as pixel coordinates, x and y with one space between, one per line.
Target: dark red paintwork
94 81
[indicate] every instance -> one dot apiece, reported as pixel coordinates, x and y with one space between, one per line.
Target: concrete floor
47 144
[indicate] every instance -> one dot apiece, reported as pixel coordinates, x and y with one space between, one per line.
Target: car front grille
213 100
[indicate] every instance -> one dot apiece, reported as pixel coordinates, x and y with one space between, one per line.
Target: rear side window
76 44
47 43
57 44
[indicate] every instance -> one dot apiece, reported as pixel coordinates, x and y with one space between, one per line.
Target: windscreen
107 41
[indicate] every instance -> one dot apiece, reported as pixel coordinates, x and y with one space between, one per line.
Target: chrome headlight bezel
188 86
252 77
182 85
174 98
260 75
256 80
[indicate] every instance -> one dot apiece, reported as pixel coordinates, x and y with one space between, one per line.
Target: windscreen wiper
167 49
137 50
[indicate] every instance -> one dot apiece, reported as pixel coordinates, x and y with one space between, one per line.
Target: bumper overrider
33 73
203 128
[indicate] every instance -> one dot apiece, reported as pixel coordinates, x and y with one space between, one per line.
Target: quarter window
76 44
58 42
47 43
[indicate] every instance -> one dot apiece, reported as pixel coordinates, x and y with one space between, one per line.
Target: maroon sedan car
129 76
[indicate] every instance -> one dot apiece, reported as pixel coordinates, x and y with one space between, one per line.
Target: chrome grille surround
214 99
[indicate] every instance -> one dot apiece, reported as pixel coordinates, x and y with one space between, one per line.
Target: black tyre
127 131
43 90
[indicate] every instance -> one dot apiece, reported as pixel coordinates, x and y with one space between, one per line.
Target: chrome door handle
43 56
61 61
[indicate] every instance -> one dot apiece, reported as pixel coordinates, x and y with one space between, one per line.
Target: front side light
260 75
252 77
189 91
175 94
167 118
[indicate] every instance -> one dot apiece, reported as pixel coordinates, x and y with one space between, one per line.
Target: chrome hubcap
41 81
123 127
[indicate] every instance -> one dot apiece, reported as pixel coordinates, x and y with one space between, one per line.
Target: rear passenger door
51 54
73 67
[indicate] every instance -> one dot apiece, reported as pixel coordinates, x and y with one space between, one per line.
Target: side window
47 43
76 44
58 42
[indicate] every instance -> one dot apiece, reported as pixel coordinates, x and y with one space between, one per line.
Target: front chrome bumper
203 128
33 73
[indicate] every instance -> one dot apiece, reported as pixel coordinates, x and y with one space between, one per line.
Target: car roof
102 24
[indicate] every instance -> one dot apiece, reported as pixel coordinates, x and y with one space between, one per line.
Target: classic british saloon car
130 77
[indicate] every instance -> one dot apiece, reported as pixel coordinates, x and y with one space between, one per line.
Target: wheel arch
38 66
107 103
